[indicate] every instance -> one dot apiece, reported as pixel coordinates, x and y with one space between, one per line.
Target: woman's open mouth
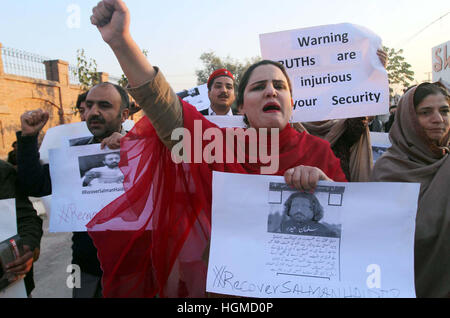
271 108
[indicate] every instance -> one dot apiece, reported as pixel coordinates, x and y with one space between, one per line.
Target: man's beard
106 130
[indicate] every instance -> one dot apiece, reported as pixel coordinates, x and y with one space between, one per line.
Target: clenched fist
112 20
33 121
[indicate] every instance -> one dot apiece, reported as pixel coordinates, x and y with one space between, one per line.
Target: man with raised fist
107 107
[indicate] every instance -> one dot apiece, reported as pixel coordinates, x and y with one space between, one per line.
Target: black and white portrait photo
100 170
303 213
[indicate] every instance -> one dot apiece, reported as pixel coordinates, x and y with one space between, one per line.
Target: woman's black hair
245 78
425 89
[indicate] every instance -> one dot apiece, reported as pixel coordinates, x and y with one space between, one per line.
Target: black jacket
29 224
34 178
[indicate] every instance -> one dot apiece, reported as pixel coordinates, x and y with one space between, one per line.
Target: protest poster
334 70
197 96
84 180
54 137
441 63
64 136
340 241
8 228
380 144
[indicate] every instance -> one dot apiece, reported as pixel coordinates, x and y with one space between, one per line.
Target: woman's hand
304 178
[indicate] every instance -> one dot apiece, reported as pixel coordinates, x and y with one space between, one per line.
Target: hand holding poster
334 69
341 241
63 136
54 137
57 137
84 180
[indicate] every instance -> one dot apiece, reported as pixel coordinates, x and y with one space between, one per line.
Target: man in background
220 93
107 107
81 105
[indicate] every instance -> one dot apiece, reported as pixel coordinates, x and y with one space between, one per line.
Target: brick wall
55 95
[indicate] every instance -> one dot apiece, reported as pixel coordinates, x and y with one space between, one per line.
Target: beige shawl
411 159
361 160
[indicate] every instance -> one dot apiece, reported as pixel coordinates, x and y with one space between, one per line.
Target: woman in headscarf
420 153
163 220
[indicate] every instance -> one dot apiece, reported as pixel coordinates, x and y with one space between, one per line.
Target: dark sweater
29 224
34 179
354 128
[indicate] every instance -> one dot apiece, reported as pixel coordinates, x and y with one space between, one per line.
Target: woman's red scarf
151 240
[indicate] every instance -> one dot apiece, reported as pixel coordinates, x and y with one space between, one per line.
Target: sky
177 32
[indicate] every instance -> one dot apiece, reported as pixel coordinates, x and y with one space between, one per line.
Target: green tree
212 62
399 71
86 71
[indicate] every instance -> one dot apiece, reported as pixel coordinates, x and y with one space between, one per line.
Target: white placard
359 245
54 137
57 136
8 228
441 63
60 136
227 121
197 96
334 70
8 221
380 144
75 200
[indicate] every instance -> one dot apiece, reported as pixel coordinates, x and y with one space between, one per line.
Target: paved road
50 270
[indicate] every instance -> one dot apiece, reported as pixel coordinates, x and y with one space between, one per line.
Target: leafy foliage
86 71
399 71
212 62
